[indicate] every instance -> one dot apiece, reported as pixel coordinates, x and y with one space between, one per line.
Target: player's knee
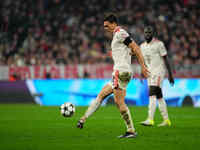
122 109
159 94
155 91
120 105
117 103
102 96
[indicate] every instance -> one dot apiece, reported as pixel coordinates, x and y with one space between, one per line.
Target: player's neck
149 40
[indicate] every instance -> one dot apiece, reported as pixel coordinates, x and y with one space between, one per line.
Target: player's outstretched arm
136 50
170 75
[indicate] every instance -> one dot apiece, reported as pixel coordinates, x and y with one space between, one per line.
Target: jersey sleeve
122 35
141 46
162 49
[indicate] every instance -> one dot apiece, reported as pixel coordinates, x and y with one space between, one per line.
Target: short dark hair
149 27
111 18
153 28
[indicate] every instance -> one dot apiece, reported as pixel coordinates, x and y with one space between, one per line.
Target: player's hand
132 53
171 80
145 71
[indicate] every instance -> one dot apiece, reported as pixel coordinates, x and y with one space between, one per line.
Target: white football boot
147 122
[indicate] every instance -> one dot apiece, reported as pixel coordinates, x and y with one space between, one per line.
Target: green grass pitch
33 127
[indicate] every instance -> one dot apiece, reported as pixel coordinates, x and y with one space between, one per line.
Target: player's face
148 33
109 26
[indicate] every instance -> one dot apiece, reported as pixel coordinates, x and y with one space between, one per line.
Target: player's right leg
163 110
153 90
106 91
120 82
154 83
151 111
119 95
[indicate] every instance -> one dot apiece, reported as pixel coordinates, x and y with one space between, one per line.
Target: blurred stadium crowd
35 32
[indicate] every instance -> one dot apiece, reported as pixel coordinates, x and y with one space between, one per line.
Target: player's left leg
153 81
163 109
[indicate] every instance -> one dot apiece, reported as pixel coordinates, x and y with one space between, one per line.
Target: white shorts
120 79
156 80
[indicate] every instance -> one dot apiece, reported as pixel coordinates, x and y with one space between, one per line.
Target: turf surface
33 127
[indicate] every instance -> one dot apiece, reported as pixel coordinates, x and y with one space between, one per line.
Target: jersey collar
117 29
153 40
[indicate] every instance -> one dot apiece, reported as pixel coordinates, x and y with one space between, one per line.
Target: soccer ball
67 109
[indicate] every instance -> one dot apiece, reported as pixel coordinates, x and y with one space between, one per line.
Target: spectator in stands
31 29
